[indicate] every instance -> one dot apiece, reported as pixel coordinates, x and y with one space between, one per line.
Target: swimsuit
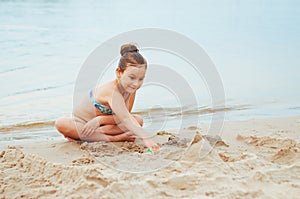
104 109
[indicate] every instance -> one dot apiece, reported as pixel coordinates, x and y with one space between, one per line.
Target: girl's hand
89 128
151 145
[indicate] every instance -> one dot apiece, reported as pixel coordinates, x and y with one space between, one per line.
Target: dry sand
251 159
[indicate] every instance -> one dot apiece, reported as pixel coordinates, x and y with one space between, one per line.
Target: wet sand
249 159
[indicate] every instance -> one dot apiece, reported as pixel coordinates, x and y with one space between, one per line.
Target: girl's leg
71 128
115 129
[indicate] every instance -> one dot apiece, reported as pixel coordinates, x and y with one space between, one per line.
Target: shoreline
258 158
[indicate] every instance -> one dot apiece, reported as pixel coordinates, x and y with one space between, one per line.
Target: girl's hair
130 56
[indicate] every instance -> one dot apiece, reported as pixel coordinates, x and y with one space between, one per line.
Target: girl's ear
118 73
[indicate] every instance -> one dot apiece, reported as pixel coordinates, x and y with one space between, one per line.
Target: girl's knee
60 124
139 119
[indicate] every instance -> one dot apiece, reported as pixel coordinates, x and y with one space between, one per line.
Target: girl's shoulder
105 91
106 86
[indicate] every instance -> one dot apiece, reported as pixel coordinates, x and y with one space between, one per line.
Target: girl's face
132 78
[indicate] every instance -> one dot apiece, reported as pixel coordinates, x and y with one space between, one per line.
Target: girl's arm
127 122
131 101
90 127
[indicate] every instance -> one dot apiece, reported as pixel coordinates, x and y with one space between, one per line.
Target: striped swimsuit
104 109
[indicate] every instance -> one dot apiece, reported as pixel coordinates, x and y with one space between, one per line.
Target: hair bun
128 48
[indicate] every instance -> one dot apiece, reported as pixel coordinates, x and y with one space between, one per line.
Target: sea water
253 44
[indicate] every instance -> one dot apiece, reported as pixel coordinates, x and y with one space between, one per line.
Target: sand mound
268 142
286 156
215 140
281 151
232 158
83 161
176 141
200 149
37 177
120 155
98 149
133 147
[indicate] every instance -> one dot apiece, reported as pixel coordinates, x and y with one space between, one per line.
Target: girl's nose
136 83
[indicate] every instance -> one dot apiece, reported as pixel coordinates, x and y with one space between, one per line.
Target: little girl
104 113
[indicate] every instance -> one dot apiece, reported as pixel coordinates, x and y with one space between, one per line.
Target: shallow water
254 45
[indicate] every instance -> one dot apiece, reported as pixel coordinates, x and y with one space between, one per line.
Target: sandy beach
258 158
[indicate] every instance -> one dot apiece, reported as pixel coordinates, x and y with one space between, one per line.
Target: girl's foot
70 139
122 137
111 138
